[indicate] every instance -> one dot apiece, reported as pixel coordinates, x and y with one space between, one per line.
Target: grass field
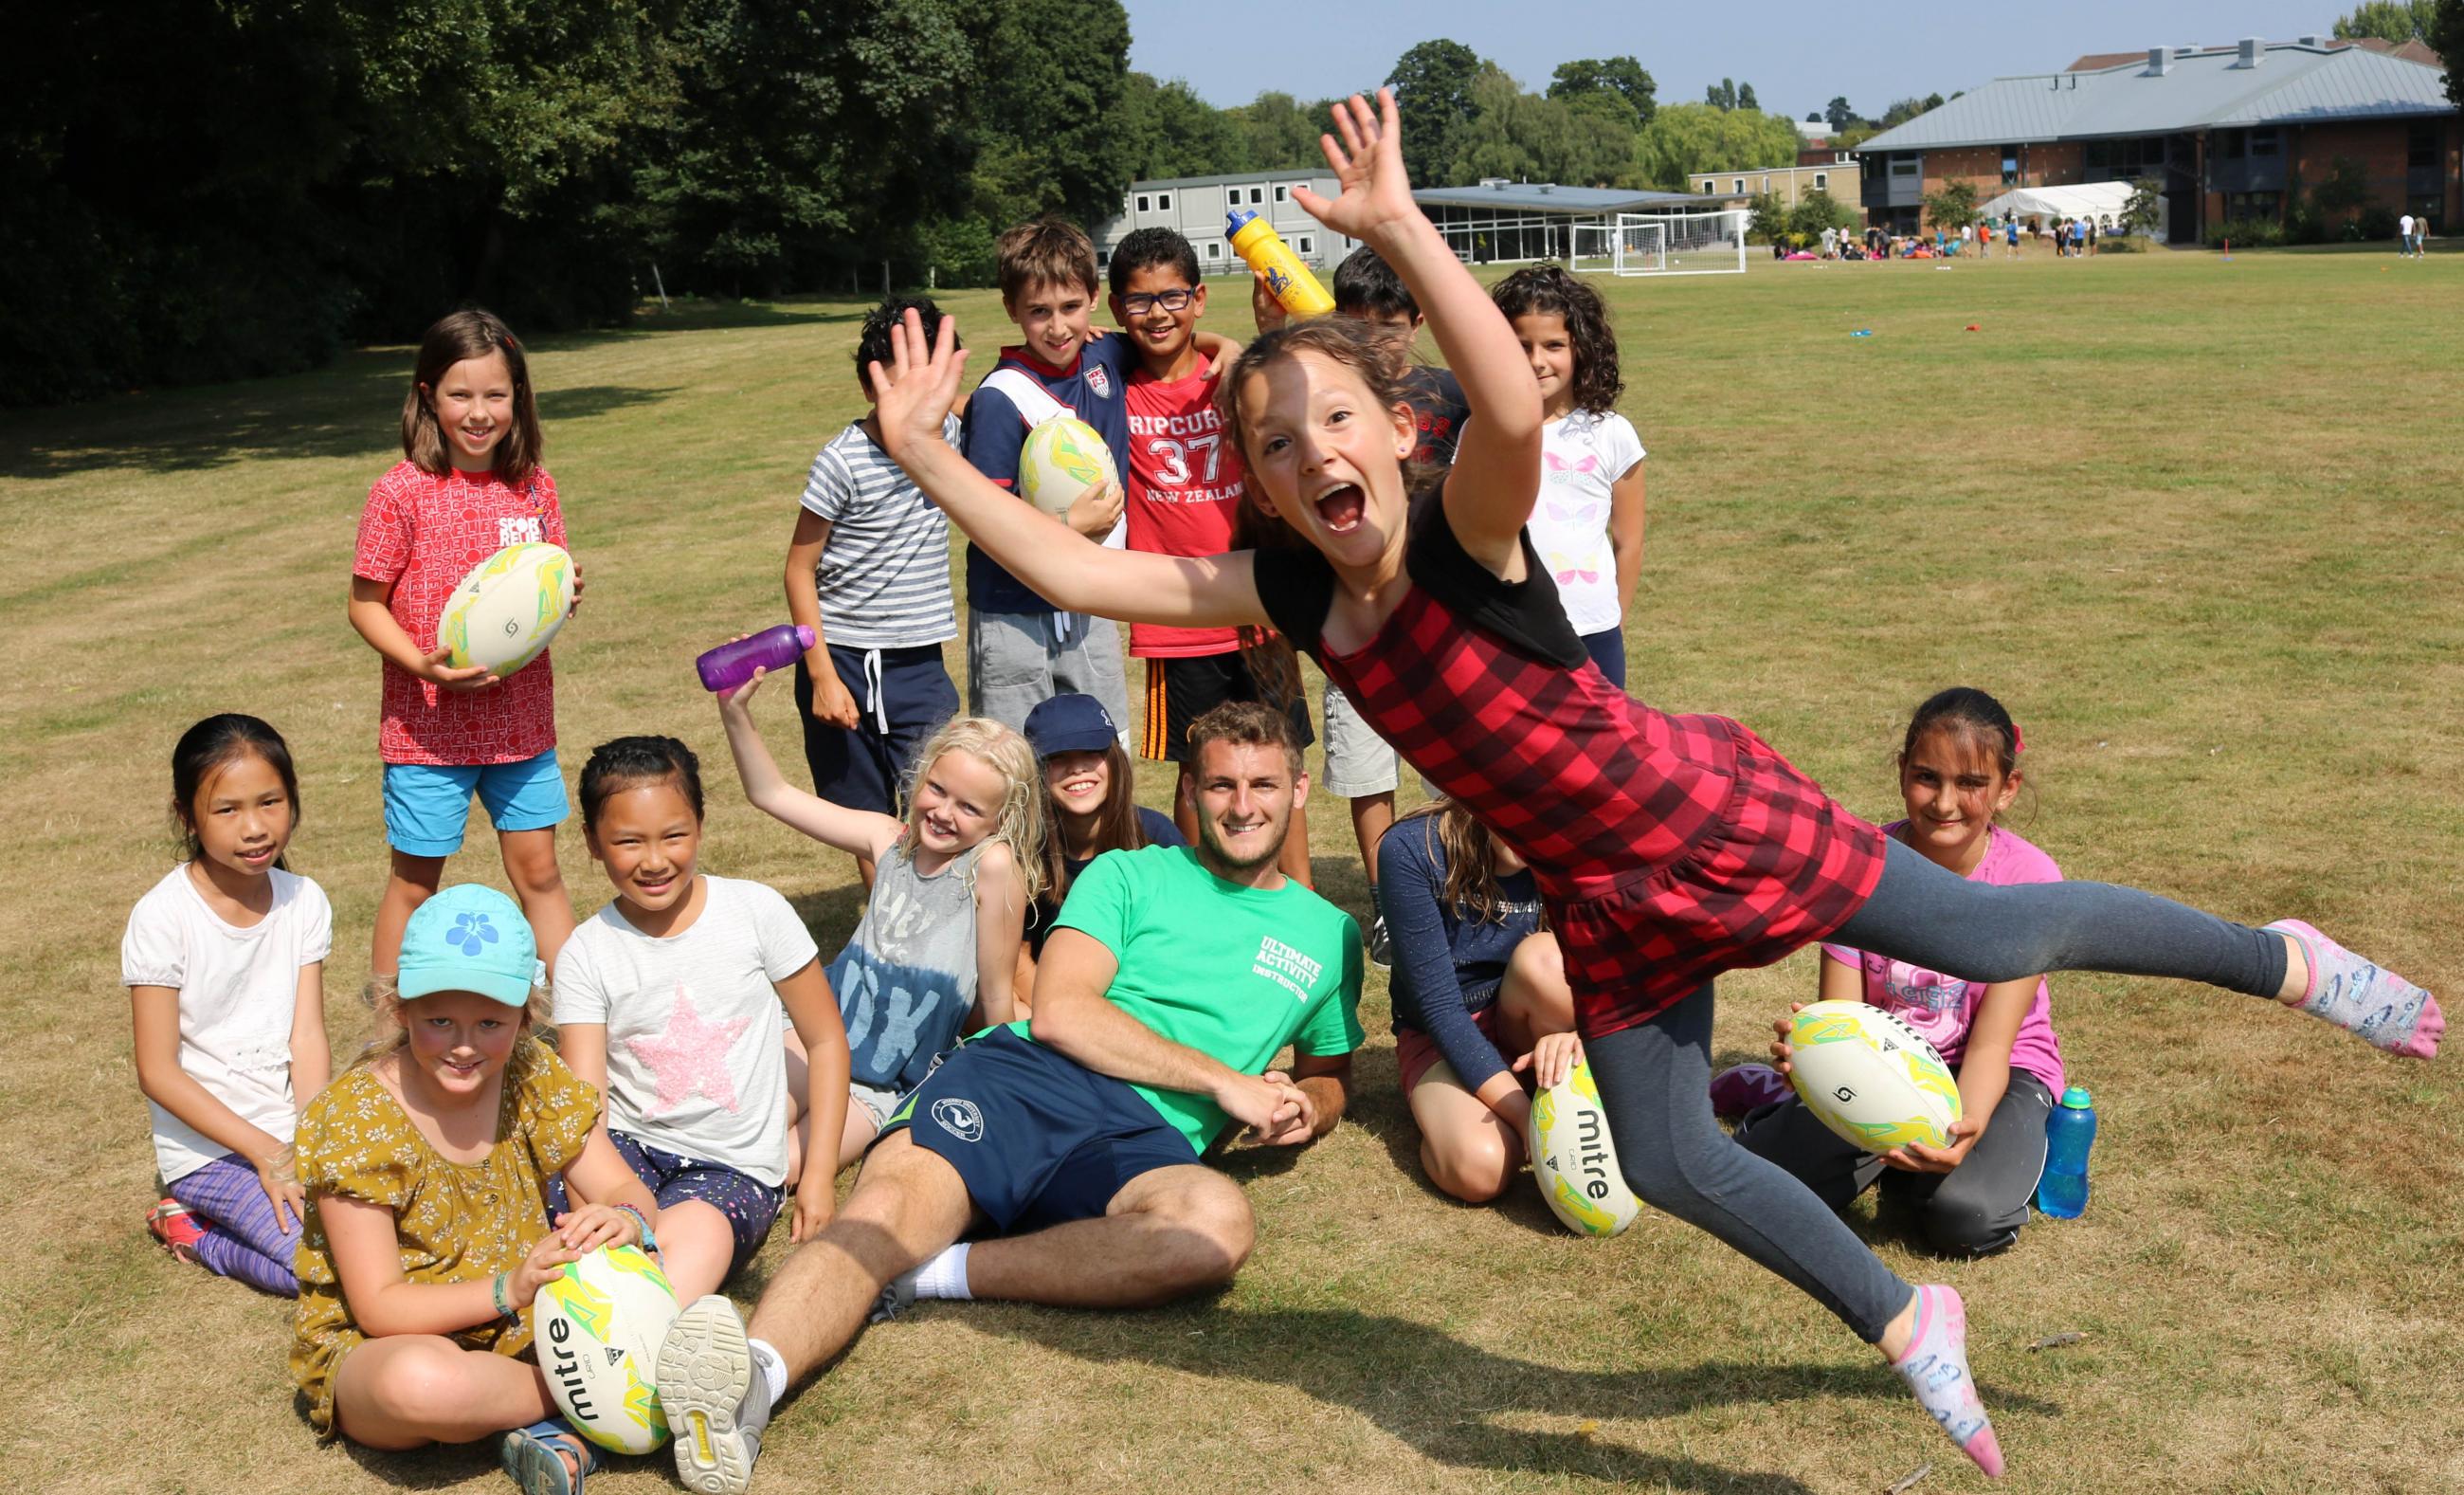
2196 522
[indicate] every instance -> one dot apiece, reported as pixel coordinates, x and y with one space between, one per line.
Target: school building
1196 205
2228 133
1495 221
1836 174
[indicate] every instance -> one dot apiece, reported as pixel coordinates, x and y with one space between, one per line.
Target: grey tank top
906 977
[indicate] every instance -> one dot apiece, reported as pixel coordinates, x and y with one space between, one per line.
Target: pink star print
690 1058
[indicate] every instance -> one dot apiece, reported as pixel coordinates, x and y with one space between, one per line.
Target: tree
1689 138
1173 132
1745 97
1622 77
1722 95
1932 103
2390 20
2146 208
1953 207
1518 135
2345 191
1433 100
2446 37
1903 110
1814 116
1817 210
1278 131
1839 115
1767 219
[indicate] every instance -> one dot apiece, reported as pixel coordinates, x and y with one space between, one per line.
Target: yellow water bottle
1255 240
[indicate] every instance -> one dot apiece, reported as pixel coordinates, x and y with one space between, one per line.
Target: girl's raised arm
1497 466
859 833
1064 566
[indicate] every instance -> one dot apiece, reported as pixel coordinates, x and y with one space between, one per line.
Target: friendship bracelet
650 1241
504 1306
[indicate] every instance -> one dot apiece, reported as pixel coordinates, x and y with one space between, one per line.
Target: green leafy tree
1953 207
1932 103
2390 20
2146 208
1817 210
1622 77
1722 95
1527 136
1767 219
1176 133
1838 113
1433 101
2446 37
1745 97
1814 116
1689 138
1901 111
2345 191
1281 131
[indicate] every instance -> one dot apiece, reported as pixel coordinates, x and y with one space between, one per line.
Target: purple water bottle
732 665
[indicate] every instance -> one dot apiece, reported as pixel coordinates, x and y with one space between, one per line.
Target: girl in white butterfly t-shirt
1587 522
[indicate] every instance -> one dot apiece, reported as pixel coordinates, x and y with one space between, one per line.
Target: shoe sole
704 1374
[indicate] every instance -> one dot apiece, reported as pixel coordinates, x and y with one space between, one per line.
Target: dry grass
2195 521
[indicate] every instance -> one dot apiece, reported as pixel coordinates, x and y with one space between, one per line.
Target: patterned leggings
244 1237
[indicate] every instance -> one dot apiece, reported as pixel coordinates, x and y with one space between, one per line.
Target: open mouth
1341 508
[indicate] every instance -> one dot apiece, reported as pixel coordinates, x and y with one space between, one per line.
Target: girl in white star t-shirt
673 1000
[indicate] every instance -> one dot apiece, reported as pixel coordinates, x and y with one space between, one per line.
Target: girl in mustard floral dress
428 1231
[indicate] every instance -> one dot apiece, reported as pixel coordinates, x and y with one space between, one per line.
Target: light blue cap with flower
469 938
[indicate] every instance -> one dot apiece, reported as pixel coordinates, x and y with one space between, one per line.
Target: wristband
650 1241
504 1305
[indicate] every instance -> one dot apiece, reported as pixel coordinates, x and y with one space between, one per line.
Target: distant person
2404 236
2011 228
868 571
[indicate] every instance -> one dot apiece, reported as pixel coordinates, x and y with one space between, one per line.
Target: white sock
773 1372
945 1276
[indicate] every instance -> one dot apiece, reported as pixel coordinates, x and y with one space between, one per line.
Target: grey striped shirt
884 576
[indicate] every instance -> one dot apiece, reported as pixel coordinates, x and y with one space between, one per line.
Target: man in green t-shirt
1171 979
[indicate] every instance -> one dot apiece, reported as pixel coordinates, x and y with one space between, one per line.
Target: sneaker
1741 1088
894 1300
717 1400
171 1223
1381 949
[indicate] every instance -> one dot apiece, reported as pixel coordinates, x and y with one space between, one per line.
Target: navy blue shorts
748 1205
1607 649
1039 1138
902 698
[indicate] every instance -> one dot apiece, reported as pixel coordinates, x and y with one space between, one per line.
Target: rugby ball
1062 458
509 608
598 1327
1870 1078
1574 1160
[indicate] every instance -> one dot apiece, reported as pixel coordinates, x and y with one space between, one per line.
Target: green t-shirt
1231 972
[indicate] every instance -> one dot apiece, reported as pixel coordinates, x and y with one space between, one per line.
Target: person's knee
1957 1223
1214 1231
1474 1167
1538 962
531 865
422 1388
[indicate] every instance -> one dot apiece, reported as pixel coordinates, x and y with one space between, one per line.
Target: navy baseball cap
1070 724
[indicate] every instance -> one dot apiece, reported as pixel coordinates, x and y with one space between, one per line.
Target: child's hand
1918 1158
1097 510
1551 1059
438 670
831 702
1264 309
577 591
1368 159
594 1225
542 1266
277 1174
920 385
1780 1050
815 1201
741 698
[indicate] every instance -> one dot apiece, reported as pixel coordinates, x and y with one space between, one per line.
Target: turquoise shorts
427 805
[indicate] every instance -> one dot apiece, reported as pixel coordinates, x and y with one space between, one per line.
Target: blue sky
1797 53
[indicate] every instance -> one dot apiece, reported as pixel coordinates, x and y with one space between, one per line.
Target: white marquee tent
2100 202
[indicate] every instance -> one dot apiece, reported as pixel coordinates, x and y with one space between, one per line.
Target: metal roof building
2230 131
1497 221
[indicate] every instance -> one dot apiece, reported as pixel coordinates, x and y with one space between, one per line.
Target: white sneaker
716 1402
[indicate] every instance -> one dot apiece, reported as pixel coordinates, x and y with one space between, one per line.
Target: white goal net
1679 243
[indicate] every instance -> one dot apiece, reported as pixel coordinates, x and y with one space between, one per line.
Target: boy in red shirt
1184 492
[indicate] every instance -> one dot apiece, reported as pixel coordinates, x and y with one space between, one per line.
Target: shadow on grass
1443 1398
831 914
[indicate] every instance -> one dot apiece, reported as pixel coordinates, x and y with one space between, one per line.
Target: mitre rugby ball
1575 1162
509 608
598 1327
1870 1078
1062 458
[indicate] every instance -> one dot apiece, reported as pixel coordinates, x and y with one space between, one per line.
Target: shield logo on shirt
1100 381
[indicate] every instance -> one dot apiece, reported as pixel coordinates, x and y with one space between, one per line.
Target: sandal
535 1457
176 1227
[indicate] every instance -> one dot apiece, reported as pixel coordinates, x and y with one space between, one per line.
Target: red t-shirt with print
1184 487
422 533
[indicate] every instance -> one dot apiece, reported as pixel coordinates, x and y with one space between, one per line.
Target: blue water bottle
2069 1132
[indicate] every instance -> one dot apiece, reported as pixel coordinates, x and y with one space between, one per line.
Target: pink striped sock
1935 1368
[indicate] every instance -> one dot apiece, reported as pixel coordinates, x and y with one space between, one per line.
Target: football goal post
1680 243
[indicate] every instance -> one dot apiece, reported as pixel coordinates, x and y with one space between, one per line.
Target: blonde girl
936 952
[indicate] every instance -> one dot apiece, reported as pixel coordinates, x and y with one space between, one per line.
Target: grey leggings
1654 1077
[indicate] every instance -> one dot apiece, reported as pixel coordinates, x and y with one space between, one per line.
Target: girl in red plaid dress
1670 848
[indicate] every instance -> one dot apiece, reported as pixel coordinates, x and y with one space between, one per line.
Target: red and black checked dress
1670 848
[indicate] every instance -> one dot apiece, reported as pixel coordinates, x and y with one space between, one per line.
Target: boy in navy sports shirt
1184 483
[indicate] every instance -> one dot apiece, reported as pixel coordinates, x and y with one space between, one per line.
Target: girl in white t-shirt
1587 522
224 963
671 1000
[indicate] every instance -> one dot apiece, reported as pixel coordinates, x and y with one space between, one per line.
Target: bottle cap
1237 220
803 636
2075 1099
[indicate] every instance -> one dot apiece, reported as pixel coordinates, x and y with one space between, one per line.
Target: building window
1163 202
1257 195
2263 140
1213 250
1905 165
1822 181
1766 184
1741 186
2009 165
2421 147
1709 186
1308 245
1142 202
1279 192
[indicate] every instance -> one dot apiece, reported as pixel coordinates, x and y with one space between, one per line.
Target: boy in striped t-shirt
868 571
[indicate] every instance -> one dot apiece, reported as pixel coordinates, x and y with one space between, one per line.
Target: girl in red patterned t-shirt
1668 848
470 485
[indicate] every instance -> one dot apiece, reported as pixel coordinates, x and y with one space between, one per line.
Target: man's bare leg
1168 1233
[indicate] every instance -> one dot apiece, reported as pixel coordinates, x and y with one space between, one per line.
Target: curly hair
1550 290
1019 819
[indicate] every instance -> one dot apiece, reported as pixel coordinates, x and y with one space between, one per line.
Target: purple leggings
244 1237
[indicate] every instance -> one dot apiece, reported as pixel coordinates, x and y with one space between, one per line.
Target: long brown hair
1470 850
464 335
1118 826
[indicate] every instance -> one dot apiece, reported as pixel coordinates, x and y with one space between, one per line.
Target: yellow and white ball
1062 458
509 608
1870 1078
598 1329
1574 1159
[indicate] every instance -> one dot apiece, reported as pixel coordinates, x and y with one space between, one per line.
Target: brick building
2230 132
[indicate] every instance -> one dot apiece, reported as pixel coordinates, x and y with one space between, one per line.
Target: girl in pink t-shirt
1958 769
